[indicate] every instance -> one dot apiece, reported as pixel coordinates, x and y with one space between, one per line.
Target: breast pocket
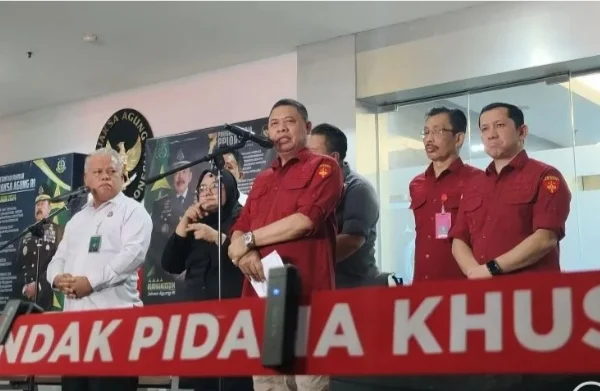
474 212
417 205
110 231
518 204
293 189
256 198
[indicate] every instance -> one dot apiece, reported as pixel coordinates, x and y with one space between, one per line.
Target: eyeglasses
435 132
203 189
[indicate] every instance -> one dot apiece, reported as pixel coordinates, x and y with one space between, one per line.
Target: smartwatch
249 240
493 267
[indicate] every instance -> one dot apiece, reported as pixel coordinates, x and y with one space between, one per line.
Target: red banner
522 324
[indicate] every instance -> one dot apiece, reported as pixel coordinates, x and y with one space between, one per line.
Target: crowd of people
320 216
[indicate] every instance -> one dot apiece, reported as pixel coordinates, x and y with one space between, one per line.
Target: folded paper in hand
271 261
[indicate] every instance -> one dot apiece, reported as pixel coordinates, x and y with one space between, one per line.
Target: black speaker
12 310
281 318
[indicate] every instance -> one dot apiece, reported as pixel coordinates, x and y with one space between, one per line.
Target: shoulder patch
324 170
551 183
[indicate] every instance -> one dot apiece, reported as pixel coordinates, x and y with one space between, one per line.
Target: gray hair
114 156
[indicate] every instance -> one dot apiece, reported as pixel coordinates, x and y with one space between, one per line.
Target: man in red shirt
436 193
512 216
291 209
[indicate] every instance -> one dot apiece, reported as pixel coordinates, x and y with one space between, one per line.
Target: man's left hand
479 273
81 288
237 249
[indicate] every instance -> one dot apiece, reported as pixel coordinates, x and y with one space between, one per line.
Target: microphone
72 194
244 134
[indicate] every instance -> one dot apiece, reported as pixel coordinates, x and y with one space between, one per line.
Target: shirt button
481 257
426 277
483 236
275 188
429 237
431 218
426 255
489 219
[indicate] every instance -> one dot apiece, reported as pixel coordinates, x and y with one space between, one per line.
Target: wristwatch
493 267
249 240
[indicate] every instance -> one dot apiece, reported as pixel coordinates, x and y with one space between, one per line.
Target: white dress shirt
242 199
124 227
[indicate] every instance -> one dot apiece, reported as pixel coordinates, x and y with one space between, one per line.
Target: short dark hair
335 139
300 108
238 157
514 113
458 119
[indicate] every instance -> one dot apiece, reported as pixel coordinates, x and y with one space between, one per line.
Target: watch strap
493 267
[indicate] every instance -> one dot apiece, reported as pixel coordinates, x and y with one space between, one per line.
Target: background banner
22 186
167 199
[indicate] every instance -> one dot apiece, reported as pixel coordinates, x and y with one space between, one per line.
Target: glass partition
563 115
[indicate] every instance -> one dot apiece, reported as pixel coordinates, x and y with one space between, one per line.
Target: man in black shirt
357 214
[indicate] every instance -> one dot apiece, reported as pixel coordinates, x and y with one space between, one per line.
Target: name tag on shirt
95 243
443 221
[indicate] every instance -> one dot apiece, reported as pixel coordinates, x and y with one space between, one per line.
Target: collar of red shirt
515 164
302 155
455 166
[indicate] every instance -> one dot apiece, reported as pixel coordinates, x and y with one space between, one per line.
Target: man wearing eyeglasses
436 193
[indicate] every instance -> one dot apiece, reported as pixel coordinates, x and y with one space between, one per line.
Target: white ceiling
147 42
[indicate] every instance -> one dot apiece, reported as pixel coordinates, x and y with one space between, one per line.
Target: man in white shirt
103 246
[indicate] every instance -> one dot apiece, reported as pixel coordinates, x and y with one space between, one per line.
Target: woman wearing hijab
193 248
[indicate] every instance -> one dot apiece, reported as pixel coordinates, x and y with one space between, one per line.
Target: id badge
95 242
443 221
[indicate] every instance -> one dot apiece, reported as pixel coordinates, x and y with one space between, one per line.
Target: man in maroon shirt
512 216
291 209
436 193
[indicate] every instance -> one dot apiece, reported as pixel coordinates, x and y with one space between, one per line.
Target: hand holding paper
271 261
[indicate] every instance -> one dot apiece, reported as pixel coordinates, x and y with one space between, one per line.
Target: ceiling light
90 38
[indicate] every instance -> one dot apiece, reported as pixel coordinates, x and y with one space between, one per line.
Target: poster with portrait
167 199
26 191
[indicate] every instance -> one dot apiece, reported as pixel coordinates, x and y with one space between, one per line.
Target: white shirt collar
115 200
184 194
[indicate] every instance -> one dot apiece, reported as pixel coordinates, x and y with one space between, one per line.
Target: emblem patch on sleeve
551 183
324 170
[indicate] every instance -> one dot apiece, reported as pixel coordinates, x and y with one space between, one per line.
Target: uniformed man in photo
168 210
40 247
234 163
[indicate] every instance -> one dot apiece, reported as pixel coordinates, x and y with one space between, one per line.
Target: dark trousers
99 383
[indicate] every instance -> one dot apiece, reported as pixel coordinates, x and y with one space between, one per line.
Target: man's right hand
251 265
64 282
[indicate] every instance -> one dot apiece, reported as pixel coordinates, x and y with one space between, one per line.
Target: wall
489 44
232 94
326 85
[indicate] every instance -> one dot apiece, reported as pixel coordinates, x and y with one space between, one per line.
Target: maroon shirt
499 211
433 257
310 184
